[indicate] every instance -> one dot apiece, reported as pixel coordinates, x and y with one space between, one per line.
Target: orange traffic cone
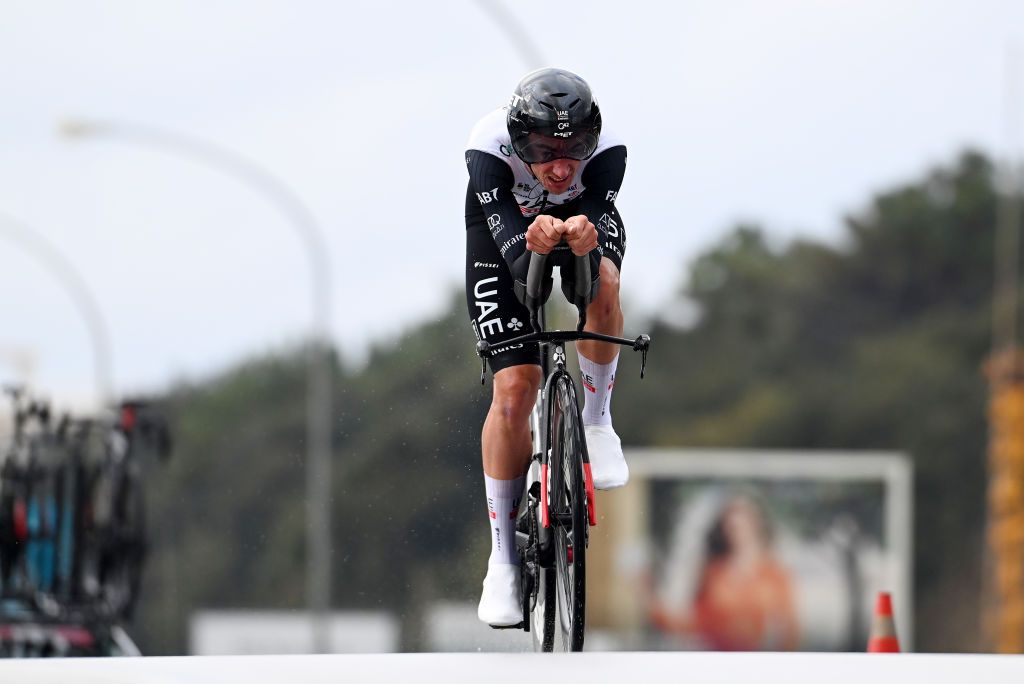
883 630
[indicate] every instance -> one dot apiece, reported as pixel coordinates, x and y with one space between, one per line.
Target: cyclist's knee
515 391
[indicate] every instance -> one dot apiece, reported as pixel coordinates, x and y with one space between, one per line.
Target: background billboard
752 550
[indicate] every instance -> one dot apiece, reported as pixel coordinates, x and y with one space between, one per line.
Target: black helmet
553 115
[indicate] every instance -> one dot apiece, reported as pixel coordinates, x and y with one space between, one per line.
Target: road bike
116 529
557 507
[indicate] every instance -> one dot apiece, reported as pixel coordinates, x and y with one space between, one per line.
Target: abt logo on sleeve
488 197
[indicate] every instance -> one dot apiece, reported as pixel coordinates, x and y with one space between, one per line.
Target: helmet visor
535 148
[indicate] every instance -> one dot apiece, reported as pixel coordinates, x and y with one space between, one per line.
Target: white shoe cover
607 464
500 605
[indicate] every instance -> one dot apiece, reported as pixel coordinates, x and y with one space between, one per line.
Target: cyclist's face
556 176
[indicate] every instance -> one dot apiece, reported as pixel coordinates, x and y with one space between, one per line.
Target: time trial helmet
553 115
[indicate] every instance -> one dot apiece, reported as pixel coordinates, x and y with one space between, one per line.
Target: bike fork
536 422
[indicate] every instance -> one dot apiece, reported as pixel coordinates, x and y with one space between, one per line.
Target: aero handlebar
535 287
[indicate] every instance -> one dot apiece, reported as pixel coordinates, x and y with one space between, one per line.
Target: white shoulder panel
490 134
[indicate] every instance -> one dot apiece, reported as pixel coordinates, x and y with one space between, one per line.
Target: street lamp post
318 426
515 31
76 287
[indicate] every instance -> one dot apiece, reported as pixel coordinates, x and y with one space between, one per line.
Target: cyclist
542 170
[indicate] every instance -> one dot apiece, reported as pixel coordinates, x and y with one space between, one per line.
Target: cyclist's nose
562 168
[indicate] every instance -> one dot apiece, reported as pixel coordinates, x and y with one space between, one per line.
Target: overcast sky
787 112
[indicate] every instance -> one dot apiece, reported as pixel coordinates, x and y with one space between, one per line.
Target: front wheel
568 505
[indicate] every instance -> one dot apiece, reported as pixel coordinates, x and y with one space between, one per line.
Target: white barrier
497 668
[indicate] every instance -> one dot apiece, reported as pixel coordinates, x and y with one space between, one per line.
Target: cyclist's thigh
494 311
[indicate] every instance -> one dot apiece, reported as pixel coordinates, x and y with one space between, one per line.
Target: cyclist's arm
602 178
491 180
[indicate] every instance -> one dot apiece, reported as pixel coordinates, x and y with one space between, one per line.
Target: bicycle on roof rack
72 515
557 509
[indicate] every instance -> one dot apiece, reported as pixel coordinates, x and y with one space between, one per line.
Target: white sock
598 380
502 505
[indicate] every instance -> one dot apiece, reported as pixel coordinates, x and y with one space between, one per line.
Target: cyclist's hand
544 234
581 235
